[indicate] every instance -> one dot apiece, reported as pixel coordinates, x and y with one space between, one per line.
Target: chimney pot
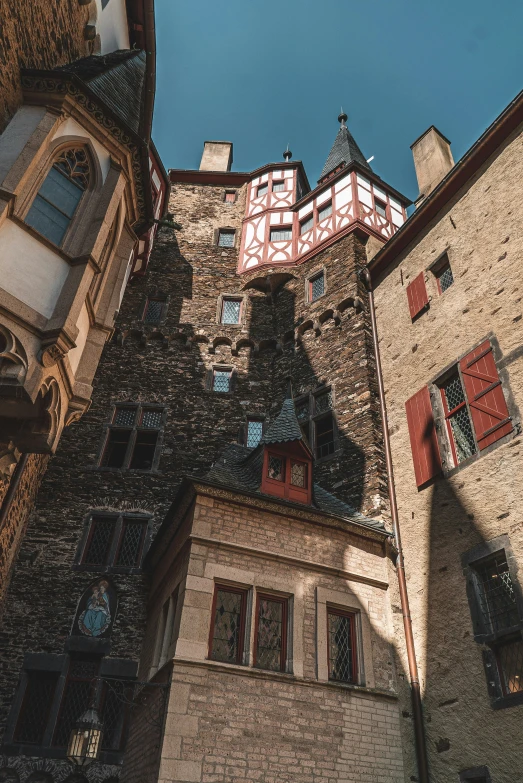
432 160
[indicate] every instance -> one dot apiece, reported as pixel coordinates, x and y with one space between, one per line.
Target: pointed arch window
60 193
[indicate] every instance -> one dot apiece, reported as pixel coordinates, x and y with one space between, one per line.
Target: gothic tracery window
60 193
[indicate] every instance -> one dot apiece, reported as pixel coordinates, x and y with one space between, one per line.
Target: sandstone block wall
482 232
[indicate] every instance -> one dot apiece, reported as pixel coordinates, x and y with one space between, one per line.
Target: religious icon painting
97 609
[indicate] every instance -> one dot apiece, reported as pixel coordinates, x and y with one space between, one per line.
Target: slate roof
285 427
117 79
240 468
344 150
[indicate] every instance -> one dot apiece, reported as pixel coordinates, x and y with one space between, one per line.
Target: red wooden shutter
423 440
417 295
488 408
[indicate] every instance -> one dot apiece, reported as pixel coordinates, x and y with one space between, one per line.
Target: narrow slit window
221 381
316 286
99 542
226 237
325 211
281 234
341 641
228 629
154 310
271 633
231 311
306 225
459 425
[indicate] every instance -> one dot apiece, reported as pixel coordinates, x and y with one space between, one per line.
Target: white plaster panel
365 196
260 230
380 193
397 217
277 175
16 135
343 198
249 234
306 210
252 262
395 204
279 257
342 183
275 218
256 181
72 128
287 217
288 174
323 197
111 24
75 354
363 181
30 270
264 178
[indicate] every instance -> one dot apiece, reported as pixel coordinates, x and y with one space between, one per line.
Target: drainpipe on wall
417 710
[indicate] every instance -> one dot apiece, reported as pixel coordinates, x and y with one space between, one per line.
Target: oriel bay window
227 637
271 632
341 645
132 439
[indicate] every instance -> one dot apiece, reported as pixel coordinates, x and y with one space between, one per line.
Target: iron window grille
316 286
227 636
380 208
306 224
324 212
509 658
316 417
154 310
270 652
230 196
444 277
254 432
278 186
262 189
58 198
226 237
231 311
222 381
133 437
281 234
341 645
457 418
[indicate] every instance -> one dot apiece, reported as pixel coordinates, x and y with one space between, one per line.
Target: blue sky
261 73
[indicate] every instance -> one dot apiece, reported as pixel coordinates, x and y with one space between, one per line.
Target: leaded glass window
231 311
254 432
271 633
154 311
132 437
229 625
325 211
341 646
276 468
317 286
131 543
79 690
306 225
55 203
298 474
115 540
497 597
323 402
458 419
35 709
278 186
445 278
115 693
99 541
221 381
280 234
510 662
316 418
226 237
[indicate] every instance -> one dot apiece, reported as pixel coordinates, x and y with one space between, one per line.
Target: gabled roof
344 150
118 79
285 427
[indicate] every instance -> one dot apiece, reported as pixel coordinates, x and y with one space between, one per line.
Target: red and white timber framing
352 194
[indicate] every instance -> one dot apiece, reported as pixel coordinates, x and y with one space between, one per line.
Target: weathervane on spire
287 154
342 118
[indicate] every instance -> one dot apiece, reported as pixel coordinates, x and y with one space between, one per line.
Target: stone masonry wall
482 231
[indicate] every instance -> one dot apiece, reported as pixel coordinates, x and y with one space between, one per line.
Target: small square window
325 211
226 237
254 432
263 189
341 643
444 277
221 381
231 311
154 310
380 207
306 225
316 286
230 196
278 186
280 234
276 468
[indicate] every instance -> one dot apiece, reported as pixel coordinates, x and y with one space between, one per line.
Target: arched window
60 193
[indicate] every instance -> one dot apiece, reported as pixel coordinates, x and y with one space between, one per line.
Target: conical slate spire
344 150
285 427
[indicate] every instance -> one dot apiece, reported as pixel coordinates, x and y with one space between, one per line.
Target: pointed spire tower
344 151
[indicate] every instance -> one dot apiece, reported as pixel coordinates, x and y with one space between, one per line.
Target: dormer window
285 475
298 474
276 468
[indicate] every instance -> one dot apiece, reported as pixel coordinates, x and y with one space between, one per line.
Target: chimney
432 161
217 156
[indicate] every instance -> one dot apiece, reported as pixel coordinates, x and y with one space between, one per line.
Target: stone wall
482 231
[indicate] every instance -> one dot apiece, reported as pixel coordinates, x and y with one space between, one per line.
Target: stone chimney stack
217 156
432 159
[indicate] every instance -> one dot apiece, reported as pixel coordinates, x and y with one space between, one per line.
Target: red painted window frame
280 228
243 591
285 489
232 299
354 646
260 186
449 413
306 220
285 619
148 300
423 439
277 182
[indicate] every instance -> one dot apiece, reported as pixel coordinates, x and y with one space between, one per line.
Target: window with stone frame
442 271
253 431
341 645
133 437
36 707
315 413
60 193
228 626
226 237
166 631
221 381
230 196
271 621
316 286
114 541
155 309
231 310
